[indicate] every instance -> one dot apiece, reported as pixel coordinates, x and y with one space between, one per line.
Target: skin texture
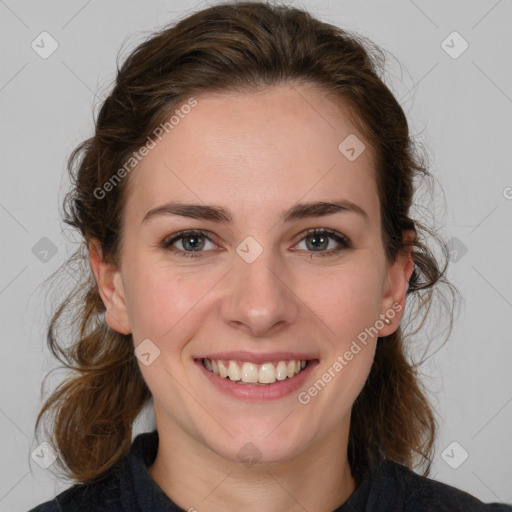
255 154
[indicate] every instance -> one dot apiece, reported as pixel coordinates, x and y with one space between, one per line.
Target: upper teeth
266 373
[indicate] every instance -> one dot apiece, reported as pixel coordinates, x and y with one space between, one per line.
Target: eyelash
344 242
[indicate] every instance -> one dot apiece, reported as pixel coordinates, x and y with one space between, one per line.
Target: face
255 275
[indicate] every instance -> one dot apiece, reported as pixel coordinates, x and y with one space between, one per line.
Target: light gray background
461 108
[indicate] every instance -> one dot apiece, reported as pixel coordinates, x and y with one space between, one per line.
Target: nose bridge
258 298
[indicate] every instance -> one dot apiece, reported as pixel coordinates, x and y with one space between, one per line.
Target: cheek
347 300
161 301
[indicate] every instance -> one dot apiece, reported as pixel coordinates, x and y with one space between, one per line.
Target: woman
244 206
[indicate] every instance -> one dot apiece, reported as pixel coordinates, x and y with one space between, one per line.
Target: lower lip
279 389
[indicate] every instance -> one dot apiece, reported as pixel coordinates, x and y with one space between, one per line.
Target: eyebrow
220 214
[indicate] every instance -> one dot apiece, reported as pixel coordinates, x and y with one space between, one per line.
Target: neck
198 479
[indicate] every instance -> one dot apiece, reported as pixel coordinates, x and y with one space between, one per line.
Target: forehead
255 152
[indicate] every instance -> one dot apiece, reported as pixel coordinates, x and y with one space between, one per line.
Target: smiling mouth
243 372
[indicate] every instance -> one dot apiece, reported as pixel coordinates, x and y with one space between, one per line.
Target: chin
259 444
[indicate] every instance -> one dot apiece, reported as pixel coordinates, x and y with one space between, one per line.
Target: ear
110 284
397 283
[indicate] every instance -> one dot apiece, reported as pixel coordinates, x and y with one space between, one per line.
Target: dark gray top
390 487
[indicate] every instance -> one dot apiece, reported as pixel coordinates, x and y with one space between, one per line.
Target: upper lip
258 358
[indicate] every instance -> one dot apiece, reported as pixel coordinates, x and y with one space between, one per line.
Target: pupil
192 243
318 241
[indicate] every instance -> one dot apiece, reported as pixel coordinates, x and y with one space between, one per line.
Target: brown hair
241 47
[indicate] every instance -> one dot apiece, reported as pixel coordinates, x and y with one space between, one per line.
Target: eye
187 243
191 243
319 240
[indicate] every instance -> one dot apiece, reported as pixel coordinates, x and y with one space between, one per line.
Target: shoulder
422 494
125 486
49 506
101 496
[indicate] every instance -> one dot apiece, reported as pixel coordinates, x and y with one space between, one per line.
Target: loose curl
242 46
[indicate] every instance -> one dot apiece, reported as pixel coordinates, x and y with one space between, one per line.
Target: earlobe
398 276
111 289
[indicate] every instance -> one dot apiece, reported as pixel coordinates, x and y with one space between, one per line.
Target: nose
258 299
